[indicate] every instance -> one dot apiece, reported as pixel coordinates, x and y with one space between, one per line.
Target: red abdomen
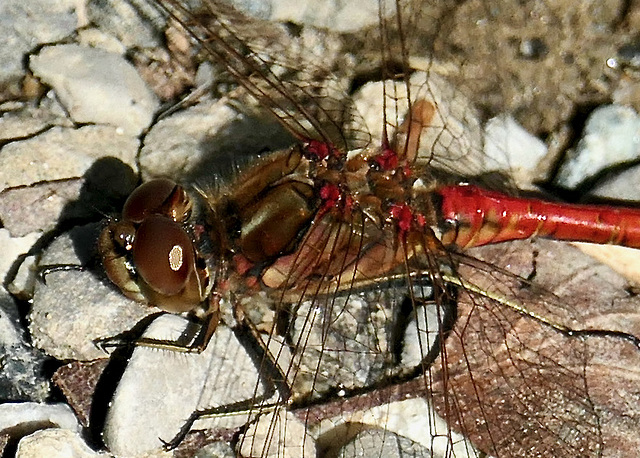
475 217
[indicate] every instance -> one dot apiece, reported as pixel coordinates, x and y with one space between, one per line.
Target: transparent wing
280 69
518 385
493 377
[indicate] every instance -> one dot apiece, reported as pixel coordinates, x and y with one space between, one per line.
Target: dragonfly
358 240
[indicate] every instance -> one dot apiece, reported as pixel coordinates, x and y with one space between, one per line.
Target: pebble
13 247
413 419
278 434
134 23
104 88
622 186
62 153
55 442
22 376
25 25
611 137
161 388
27 417
207 140
64 173
25 120
383 444
421 335
339 17
515 151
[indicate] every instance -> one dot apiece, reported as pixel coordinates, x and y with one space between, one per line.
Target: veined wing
280 70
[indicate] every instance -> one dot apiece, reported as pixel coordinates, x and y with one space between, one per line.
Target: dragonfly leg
194 339
272 379
43 271
267 361
197 343
237 408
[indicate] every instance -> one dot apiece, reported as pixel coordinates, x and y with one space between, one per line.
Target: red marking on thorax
405 217
318 150
330 195
333 197
243 265
387 160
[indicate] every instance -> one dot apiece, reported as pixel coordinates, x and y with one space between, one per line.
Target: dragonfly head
150 255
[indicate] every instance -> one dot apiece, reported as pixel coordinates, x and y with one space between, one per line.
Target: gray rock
25 120
160 388
27 417
343 342
64 174
611 137
336 16
25 25
216 450
23 281
383 444
97 86
27 209
55 442
135 23
621 186
421 335
278 434
209 139
514 150
414 420
13 247
62 153
22 376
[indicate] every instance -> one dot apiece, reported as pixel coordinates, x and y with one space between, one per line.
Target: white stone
278 434
337 16
24 281
97 86
383 443
13 414
27 120
12 247
413 418
21 377
62 153
515 151
421 334
24 25
623 186
160 388
55 443
206 140
611 136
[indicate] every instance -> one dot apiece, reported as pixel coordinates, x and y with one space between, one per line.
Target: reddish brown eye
147 199
163 255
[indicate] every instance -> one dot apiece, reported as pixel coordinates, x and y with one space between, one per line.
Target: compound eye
163 255
147 199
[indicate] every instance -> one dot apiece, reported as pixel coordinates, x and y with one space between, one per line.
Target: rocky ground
89 106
